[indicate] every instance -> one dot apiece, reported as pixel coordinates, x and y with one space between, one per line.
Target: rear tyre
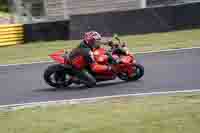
56 76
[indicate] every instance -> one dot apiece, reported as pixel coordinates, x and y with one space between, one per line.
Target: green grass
39 51
151 114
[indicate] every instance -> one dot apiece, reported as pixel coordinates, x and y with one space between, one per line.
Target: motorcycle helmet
90 38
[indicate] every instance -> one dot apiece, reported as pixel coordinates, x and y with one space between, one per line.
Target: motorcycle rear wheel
56 76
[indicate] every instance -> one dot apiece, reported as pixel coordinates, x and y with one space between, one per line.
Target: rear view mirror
116 37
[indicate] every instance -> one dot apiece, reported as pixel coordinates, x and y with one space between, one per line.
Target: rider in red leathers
83 55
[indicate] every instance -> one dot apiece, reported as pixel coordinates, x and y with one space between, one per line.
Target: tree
4 5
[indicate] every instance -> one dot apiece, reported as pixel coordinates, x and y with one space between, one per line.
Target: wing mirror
117 38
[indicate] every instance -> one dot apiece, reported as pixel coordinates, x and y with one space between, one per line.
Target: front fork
129 69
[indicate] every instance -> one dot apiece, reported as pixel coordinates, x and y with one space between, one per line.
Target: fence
95 6
33 11
11 34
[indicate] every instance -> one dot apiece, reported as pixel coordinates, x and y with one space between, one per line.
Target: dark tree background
4 5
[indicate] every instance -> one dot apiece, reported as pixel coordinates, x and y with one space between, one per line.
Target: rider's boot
86 78
81 76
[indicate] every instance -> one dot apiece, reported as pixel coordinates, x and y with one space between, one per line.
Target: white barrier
77 7
29 11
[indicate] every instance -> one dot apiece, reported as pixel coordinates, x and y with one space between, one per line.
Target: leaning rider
90 41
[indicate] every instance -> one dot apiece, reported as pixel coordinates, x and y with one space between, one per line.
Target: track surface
168 71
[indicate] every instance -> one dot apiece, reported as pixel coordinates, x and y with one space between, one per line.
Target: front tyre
56 76
139 72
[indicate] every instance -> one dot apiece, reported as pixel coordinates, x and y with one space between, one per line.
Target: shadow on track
82 87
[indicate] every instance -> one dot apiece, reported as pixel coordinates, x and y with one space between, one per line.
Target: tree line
4 5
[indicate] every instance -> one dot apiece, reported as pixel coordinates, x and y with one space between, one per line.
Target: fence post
143 3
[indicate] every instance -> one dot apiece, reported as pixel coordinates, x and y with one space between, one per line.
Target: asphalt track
167 71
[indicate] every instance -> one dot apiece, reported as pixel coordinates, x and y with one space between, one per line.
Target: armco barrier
11 34
46 31
141 21
187 16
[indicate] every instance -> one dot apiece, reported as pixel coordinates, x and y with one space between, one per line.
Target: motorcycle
58 75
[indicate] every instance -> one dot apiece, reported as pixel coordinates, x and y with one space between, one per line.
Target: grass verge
152 114
158 41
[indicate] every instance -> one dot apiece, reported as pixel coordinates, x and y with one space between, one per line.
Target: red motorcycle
58 75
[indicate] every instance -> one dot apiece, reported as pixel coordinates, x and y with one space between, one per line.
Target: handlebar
120 47
117 45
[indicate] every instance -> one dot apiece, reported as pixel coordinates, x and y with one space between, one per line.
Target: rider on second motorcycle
84 50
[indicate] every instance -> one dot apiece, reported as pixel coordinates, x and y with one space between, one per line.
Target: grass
151 114
158 41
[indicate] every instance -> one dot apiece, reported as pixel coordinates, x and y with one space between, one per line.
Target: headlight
96 53
101 59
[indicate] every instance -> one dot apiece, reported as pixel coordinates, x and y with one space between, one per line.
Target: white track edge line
168 50
93 99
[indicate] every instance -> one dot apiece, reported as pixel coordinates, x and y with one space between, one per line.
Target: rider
90 41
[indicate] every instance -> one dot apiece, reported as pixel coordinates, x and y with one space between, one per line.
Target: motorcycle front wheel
138 74
56 76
